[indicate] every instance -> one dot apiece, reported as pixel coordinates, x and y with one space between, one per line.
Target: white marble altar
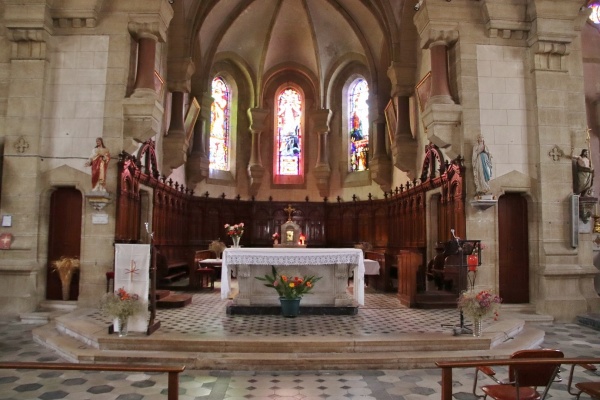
335 266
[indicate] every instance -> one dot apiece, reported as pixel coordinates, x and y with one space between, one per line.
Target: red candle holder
472 262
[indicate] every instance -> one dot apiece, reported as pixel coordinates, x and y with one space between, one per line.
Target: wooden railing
173 371
447 367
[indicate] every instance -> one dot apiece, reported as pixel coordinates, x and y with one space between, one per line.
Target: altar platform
383 335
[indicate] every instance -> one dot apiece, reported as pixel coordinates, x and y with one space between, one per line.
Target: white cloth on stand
132 273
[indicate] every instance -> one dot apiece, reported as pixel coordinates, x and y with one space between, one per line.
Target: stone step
590 320
83 340
174 301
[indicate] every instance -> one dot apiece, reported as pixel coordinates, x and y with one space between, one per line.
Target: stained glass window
358 125
219 125
595 16
289 133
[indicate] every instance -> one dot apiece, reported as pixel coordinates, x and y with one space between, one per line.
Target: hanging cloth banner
132 273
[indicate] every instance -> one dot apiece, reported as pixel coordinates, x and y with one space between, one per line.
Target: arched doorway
513 249
64 238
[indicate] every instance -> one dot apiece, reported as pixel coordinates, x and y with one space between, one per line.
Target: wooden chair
203 274
592 389
523 379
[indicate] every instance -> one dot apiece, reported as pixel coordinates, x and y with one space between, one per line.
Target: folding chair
523 379
592 389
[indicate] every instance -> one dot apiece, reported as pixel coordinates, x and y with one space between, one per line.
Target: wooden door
513 249
64 238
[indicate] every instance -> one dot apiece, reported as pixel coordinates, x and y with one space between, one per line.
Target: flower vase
122 326
275 241
236 241
290 308
477 327
66 289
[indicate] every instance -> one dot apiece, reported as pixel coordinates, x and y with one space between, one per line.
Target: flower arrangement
275 236
217 247
65 267
479 305
288 287
236 230
121 304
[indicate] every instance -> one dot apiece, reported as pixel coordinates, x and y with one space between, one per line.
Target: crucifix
289 210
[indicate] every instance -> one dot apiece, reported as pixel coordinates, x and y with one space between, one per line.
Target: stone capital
402 79
258 119
321 119
438 36
76 13
506 19
180 74
152 25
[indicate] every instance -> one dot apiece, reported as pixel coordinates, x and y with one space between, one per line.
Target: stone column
176 142
198 163
256 171
322 171
142 112
28 28
380 165
402 142
565 276
441 117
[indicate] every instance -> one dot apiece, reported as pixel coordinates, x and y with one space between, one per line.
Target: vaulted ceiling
313 36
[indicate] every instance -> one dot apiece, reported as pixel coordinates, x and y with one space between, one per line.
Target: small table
212 265
371 268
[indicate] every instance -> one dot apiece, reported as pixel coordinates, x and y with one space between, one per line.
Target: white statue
482 166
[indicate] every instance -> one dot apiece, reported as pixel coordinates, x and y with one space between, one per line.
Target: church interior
452 143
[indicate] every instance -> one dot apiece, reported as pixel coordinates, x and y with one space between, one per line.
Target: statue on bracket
99 162
482 166
584 173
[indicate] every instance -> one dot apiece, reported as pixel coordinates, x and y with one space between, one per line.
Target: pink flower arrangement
275 236
236 230
479 305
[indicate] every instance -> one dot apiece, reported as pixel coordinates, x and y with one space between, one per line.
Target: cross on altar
289 210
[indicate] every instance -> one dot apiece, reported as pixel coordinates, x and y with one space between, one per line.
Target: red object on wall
5 241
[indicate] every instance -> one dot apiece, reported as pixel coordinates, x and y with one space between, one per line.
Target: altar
334 266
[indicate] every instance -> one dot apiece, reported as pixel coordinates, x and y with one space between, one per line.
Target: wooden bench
171 270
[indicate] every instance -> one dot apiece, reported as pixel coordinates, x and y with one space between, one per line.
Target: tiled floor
379 315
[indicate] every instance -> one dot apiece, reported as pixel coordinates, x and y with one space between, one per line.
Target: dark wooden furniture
171 269
410 266
380 281
451 274
204 275
393 222
172 371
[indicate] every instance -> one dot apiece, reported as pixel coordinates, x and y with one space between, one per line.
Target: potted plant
65 267
479 305
121 305
290 289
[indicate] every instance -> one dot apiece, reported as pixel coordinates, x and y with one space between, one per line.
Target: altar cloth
294 256
372 267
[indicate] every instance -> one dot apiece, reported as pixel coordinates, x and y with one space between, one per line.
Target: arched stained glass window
595 16
219 125
288 136
358 125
